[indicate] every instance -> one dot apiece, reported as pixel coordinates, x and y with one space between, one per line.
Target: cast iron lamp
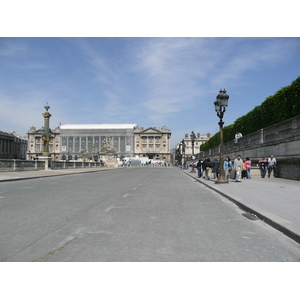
220 107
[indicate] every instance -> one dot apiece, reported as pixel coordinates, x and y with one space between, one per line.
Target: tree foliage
283 105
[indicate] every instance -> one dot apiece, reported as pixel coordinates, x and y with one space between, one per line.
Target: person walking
248 167
204 164
199 166
208 168
263 166
238 166
215 168
272 165
227 167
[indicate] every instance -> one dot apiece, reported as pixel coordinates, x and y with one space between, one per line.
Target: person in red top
248 166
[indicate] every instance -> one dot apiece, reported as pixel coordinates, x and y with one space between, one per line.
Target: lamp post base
220 180
193 170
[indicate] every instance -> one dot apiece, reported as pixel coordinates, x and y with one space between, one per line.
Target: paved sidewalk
276 201
21 175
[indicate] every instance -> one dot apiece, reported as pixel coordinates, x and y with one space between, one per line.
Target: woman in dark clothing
199 166
215 169
208 168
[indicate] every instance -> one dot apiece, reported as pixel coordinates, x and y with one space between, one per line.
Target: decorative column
46 138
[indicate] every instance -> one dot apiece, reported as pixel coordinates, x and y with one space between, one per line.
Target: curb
294 236
45 176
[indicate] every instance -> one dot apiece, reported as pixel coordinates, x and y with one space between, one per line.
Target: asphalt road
131 214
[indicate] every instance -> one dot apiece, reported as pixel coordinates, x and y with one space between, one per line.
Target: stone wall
282 140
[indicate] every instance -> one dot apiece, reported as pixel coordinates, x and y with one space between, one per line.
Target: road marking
110 208
134 188
29 187
125 195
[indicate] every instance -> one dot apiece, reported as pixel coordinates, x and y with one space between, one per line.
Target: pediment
150 130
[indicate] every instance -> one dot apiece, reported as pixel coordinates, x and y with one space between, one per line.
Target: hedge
283 105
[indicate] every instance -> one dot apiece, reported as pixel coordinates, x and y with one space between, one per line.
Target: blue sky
147 81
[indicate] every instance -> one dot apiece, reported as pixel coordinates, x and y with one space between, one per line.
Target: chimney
186 135
198 135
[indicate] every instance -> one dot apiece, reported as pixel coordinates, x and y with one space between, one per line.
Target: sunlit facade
153 143
77 140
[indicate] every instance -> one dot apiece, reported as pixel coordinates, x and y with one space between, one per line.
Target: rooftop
98 126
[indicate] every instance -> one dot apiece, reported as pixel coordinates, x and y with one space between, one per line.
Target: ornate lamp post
193 137
220 107
183 153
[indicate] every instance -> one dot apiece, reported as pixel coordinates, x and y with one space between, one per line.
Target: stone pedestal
108 155
110 161
47 161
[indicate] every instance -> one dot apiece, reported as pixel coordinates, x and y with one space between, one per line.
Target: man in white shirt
237 136
272 166
238 166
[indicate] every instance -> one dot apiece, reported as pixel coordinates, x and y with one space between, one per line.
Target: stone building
35 143
87 140
12 145
152 143
199 140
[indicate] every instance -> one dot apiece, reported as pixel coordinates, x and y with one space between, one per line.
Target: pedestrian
199 166
237 136
227 167
248 166
208 168
215 168
272 165
263 166
238 166
244 172
204 163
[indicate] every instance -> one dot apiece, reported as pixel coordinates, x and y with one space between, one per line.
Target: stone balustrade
282 140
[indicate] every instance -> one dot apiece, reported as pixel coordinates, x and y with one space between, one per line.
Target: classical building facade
12 145
199 139
153 143
35 146
87 140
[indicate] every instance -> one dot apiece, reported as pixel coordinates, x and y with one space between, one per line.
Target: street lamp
220 107
193 137
183 153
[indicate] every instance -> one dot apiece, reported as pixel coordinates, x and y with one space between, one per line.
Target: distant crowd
239 169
